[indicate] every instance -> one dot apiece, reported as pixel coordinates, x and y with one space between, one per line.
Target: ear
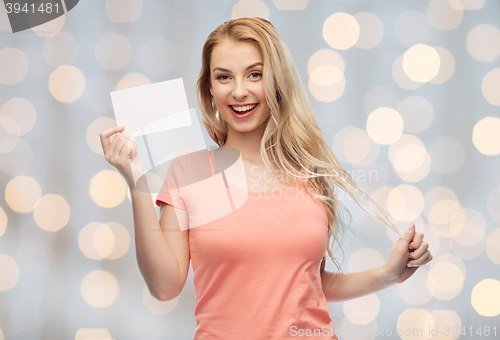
210 87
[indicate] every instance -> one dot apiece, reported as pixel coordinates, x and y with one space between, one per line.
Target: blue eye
257 74
220 77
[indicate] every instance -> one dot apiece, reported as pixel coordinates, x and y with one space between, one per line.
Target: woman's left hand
409 253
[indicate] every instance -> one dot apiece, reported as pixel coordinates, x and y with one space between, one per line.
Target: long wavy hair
292 136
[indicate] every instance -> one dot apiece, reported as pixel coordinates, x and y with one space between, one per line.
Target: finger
118 145
420 251
132 140
112 147
104 136
409 233
417 240
418 262
127 149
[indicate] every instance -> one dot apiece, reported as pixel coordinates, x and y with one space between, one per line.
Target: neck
248 144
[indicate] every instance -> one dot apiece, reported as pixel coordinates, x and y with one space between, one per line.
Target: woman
262 275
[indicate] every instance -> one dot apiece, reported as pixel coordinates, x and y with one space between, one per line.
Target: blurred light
362 310
60 49
446 319
485 297
93 131
443 211
13 65
474 229
18 116
440 204
158 57
250 8
414 323
446 66
384 125
113 51
491 87
325 57
371 30
483 42
469 4
290 5
66 83
412 28
108 188
326 93
157 306
100 288
447 154
493 204
350 153
92 334
417 113
357 147
409 158
132 80
486 136
445 14
49 28
414 291
380 196
21 193
341 31
493 246
326 75
405 202
123 11
7 142
400 76
3 221
51 212
446 277
104 240
421 63
469 241
365 258
10 272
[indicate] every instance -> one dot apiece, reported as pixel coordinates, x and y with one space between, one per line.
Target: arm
399 267
162 253
339 287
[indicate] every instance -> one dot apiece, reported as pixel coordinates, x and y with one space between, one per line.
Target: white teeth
243 108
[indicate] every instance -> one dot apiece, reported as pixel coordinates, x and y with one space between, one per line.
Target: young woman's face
237 85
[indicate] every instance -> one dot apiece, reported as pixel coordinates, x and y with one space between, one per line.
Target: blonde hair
292 135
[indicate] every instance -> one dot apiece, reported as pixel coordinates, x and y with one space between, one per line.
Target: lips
242 109
243 114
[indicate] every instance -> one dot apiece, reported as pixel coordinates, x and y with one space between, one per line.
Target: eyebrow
226 70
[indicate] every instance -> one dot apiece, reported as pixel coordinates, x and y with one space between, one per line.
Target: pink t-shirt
256 264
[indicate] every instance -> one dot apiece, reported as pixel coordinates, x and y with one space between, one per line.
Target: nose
240 91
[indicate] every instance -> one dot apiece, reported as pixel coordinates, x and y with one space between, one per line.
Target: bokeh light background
407 94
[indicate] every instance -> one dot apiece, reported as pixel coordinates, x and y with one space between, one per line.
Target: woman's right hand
122 153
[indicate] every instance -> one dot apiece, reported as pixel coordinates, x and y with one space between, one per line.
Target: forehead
235 54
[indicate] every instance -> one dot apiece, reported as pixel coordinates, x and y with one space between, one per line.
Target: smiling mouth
240 110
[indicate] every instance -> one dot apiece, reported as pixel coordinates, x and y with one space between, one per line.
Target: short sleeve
173 196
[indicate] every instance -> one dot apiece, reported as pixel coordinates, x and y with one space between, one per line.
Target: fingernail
409 265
